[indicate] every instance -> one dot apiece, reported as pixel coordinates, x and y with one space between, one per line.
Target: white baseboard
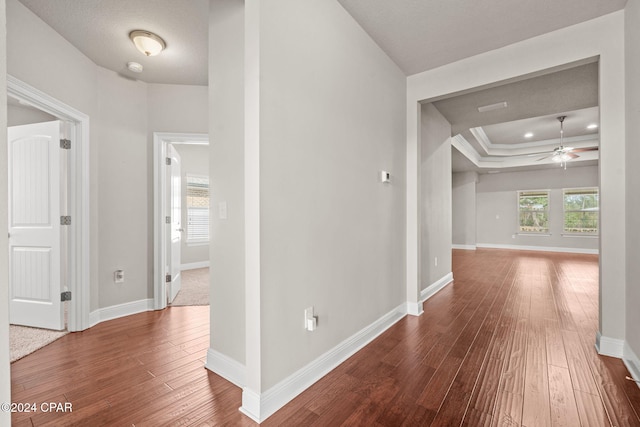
260 406
251 405
228 368
632 362
194 265
414 308
120 310
609 346
465 247
538 248
433 288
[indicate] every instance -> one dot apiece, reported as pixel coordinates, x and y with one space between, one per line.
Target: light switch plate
222 210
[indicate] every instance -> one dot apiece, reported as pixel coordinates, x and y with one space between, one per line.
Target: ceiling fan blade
572 156
580 150
545 157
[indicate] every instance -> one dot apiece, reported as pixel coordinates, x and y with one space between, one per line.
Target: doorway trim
78 197
161 140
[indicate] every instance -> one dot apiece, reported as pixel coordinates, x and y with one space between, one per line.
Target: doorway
77 195
180 227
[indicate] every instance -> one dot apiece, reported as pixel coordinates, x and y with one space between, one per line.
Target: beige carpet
24 340
194 289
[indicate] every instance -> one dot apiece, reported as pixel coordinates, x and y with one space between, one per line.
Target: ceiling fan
563 154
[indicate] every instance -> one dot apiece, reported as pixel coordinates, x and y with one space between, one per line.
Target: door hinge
65 296
65 220
167 278
65 144
167 220
168 161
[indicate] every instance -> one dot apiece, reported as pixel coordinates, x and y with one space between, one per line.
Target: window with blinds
197 208
581 210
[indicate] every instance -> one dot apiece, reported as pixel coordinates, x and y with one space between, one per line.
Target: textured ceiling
557 92
533 105
425 34
417 35
100 30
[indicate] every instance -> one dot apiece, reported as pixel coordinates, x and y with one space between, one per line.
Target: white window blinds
197 208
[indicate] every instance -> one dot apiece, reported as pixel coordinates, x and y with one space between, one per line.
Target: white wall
435 190
632 56
497 206
70 77
226 178
195 161
19 115
331 235
463 208
123 114
601 37
123 231
5 370
178 108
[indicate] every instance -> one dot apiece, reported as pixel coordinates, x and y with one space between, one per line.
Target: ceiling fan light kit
563 154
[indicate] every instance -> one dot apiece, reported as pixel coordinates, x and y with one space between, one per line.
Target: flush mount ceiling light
528 135
146 42
592 126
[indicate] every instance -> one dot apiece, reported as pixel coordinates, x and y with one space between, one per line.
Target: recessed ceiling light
492 172
491 107
135 67
592 126
528 134
148 43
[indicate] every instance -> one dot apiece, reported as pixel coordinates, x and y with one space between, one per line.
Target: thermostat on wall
385 176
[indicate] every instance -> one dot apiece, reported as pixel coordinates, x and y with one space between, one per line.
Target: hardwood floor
510 342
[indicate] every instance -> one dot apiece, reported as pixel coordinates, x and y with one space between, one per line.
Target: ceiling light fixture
492 107
592 126
563 154
146 42
528 134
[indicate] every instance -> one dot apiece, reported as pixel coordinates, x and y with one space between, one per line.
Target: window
197 208
581 210
533 211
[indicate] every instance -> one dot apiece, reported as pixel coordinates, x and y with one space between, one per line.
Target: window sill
198 243
581 235
534 234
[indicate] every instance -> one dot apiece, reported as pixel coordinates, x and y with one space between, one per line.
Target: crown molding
501 162
533 147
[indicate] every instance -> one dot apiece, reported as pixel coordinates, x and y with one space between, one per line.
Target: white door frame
78 197
160 142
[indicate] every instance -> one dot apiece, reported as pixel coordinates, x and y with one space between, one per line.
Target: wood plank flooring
509 343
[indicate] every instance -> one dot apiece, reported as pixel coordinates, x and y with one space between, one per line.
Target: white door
176 223
34 225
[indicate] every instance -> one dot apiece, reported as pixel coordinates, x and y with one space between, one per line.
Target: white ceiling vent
492 107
